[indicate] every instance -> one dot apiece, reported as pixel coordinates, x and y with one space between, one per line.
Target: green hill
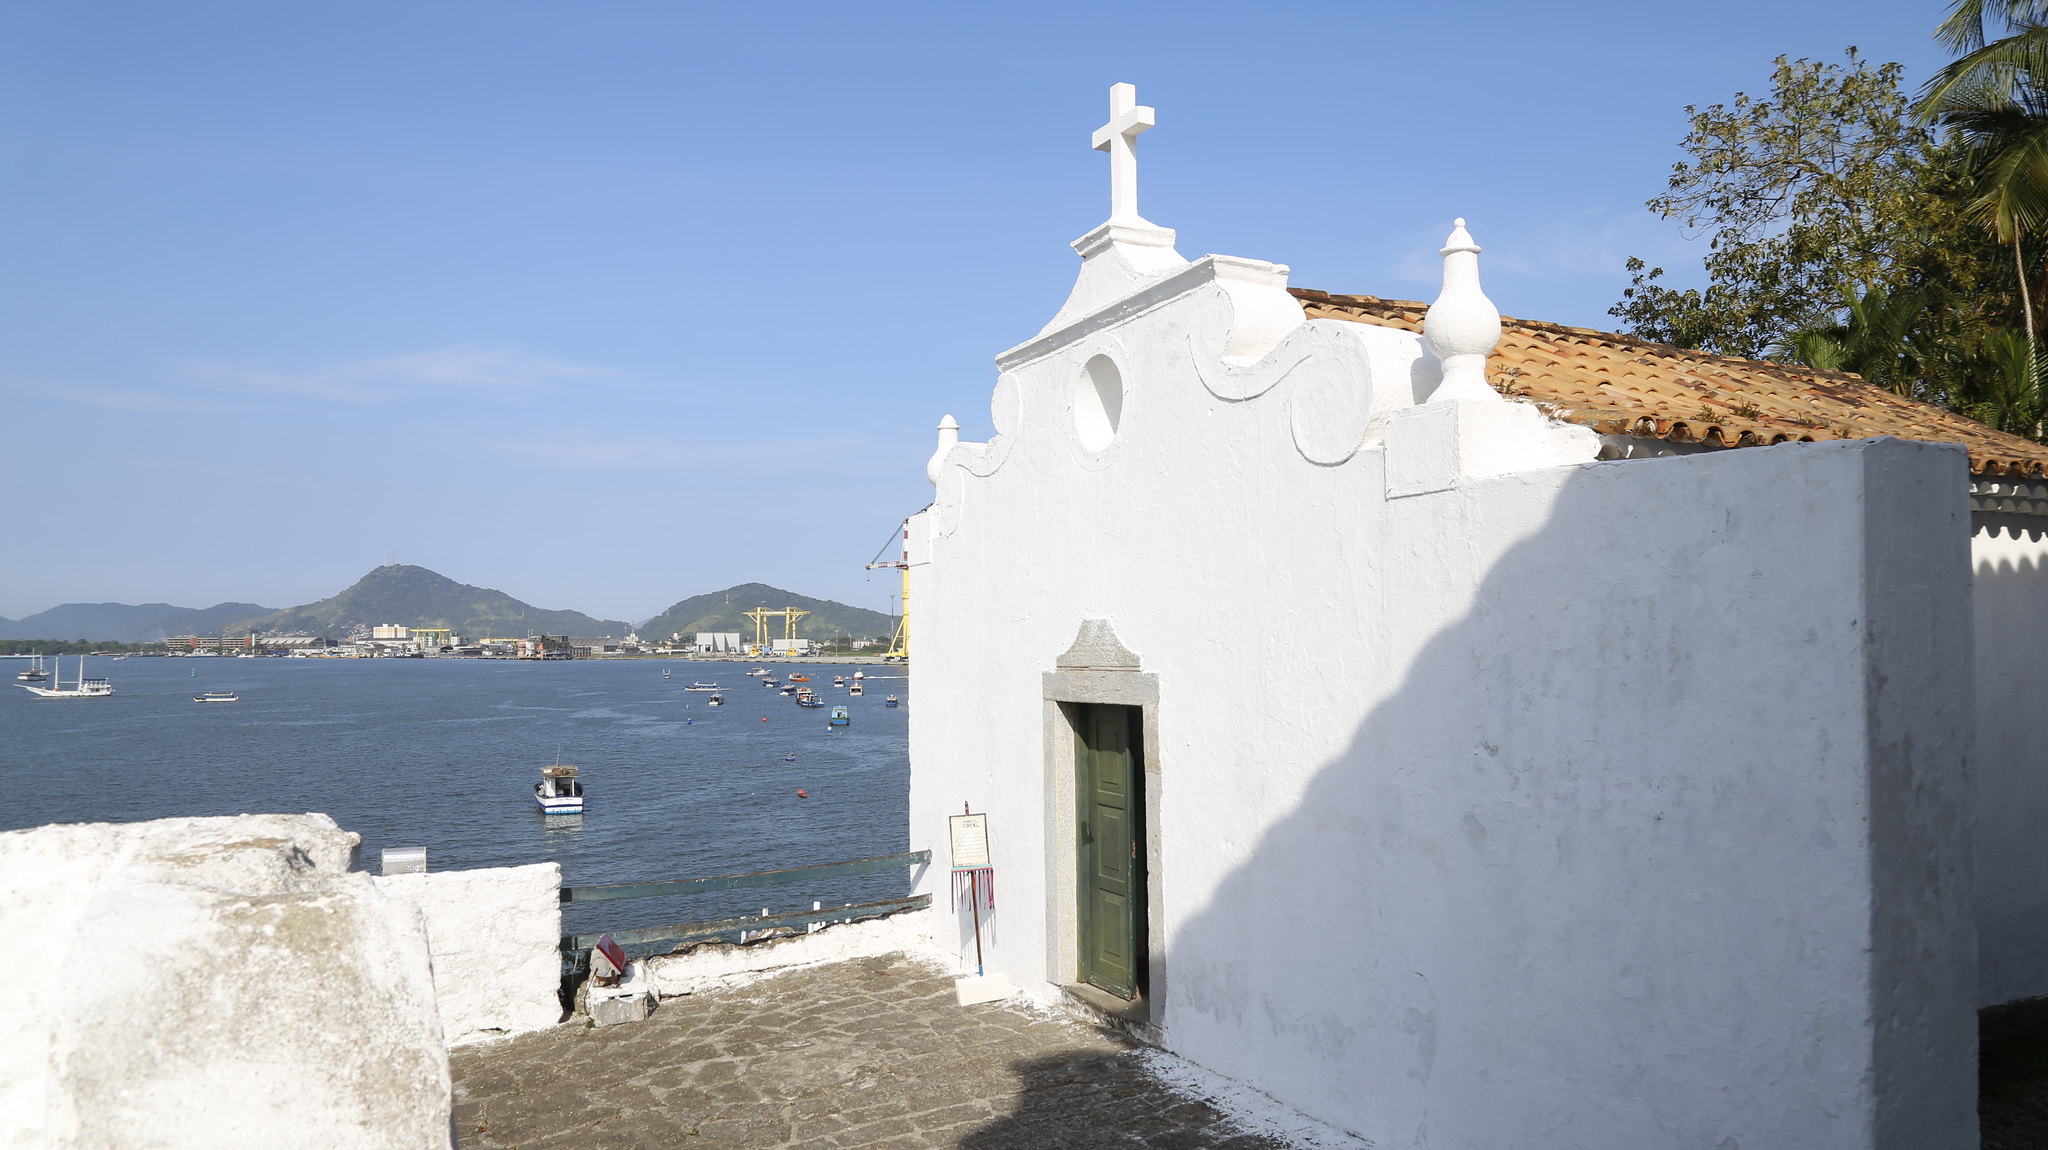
725 611
416 597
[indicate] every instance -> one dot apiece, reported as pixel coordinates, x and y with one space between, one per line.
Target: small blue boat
840 718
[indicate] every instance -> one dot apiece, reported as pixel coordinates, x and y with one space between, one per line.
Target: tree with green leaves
1808 197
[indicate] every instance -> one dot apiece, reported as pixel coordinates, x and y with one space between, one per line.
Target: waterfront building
217 643
1609 741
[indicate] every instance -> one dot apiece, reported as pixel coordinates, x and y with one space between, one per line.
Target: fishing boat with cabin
559 791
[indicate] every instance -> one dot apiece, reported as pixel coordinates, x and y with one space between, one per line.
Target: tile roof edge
1986 460
1312 295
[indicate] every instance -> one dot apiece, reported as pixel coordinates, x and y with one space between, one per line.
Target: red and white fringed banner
966 880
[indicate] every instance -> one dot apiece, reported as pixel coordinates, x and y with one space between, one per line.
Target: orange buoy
764 718
802 795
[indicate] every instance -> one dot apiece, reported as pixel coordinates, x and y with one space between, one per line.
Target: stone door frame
1098 668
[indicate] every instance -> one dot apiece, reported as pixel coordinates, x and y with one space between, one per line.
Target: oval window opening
1098 403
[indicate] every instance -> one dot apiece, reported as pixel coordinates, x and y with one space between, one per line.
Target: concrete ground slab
872 1053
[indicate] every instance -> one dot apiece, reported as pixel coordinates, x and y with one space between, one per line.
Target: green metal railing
576 947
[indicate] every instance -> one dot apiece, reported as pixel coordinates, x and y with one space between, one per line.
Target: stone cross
1119 138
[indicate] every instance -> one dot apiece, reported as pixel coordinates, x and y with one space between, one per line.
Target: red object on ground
612 951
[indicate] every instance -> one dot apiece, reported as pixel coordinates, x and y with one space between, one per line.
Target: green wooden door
1108 773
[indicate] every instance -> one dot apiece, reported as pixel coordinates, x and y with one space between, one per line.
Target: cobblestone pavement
872 1053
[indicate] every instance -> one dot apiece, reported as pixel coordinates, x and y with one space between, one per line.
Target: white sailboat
35 672
84 688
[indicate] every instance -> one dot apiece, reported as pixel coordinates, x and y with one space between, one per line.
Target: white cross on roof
1119 137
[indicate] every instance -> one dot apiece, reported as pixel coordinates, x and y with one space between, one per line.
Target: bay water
444 753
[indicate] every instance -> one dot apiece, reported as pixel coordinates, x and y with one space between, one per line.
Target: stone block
225 983
633 999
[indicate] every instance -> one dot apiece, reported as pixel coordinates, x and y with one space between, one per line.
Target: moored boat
84 688
799 678
701 687
715 701
216 697
840 718
35 672
889 702
559 791
854 689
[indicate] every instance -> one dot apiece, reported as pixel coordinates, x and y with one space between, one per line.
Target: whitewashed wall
1497 804
495 934
2010 555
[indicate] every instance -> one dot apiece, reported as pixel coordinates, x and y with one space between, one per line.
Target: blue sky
610 304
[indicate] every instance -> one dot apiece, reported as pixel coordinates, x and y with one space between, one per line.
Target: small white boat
840 718
860 674
771 682
84 688
758 672
701 687
216 697
559 791
787 691
664 672
855 689
839 680
715 701
35 672
890 701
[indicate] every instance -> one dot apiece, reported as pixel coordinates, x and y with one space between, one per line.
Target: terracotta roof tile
1623 386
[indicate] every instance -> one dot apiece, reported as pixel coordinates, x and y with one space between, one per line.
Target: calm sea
443 753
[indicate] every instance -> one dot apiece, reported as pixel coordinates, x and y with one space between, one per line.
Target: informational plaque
970 841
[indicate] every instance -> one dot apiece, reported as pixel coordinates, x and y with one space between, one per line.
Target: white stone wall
2010 554
721 964
495 935
214 983
1494 803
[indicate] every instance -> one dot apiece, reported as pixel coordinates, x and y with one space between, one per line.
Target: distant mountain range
125 623
725 611
416 597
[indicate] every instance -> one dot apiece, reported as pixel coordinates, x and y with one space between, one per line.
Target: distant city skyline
604 308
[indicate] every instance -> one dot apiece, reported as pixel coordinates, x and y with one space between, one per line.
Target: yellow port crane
761 615
899 643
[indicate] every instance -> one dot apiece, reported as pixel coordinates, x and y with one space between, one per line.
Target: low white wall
2010 554
495 934
213 983
721 964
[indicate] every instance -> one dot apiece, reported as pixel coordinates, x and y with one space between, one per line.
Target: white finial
1463 325
1119 138
949 434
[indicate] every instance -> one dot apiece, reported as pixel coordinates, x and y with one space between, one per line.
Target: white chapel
1482 733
